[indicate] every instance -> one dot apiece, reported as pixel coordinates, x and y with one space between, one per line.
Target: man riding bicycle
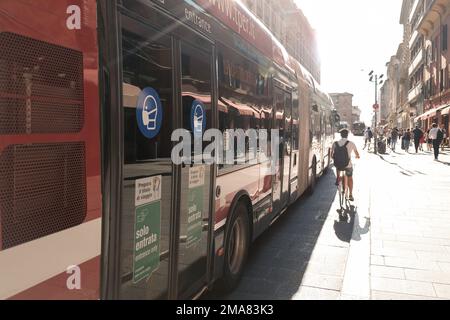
342 154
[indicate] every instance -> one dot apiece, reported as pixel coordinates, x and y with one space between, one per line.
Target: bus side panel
50 183
305 137
231 184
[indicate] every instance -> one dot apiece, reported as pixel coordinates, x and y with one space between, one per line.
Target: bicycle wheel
341 191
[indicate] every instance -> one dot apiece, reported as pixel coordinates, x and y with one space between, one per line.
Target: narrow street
395 244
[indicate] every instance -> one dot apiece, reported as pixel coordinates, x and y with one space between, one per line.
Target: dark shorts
349 172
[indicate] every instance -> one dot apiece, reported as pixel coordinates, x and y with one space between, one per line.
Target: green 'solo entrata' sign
195 205
147 228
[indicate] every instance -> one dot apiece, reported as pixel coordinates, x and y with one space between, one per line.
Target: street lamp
378 80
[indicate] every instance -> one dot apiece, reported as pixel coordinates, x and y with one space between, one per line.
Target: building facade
395 95
433 25
420 68
343 102
385 101
290 26
356 114
417 61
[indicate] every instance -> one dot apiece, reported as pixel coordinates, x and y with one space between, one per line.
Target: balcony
430 19
413 10
415 92
413 38
416 62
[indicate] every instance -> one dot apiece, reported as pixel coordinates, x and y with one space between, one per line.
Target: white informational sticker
196 177
148 190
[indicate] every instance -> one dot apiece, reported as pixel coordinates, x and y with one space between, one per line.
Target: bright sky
354 35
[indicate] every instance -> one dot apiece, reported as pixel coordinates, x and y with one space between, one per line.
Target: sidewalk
410 229
396 246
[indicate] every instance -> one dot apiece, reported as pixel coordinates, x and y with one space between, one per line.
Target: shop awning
205 99
426 115
446 110
242 109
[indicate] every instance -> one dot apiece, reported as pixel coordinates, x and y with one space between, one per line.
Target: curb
356 284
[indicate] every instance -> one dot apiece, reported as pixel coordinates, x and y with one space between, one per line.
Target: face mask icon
150 113
198 119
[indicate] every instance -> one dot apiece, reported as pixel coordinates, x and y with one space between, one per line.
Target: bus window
295 122
196 87
243 92
146 64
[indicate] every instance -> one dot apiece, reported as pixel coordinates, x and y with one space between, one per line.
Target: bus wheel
312 186
236 247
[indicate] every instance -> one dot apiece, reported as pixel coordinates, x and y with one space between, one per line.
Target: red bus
91 205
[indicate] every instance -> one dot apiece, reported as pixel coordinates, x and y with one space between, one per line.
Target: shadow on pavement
403 171
358 231
343 227
279 258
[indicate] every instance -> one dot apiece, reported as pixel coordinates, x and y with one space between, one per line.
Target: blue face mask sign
198 119
149 113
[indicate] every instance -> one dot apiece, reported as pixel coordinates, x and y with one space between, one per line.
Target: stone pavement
410 234
303 255
394 245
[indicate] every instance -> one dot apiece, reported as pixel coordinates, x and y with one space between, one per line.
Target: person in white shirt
368 135
436 136
346 165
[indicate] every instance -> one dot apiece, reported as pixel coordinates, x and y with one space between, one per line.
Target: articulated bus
91 204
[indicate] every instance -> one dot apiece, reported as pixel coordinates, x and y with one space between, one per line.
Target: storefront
438 115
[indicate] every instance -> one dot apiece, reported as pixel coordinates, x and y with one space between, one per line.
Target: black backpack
440 135
340 156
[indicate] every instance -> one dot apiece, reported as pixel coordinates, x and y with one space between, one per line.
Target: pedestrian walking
402 139
422 141
444 140
368 136
417 134
394 138
436 136
407 140
429 141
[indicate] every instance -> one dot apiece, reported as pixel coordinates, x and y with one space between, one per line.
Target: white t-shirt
351 147
433 133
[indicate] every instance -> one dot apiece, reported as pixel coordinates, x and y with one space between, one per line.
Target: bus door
165 220
295 153
288 144
283 122
194 195
146 219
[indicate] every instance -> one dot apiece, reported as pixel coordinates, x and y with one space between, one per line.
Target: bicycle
341 191
344 202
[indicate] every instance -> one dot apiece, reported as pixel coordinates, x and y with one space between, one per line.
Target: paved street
394 245
410 235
